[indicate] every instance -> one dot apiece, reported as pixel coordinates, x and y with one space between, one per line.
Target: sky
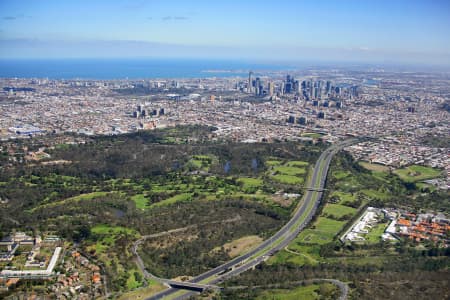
396 31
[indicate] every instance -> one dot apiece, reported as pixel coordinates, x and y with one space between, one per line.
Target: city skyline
354 31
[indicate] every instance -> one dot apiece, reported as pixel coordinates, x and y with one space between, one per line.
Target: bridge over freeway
192 286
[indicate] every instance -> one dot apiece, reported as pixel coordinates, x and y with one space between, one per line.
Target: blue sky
340 30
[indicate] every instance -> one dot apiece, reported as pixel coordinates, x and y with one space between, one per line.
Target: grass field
105 229
375 194
272 163
143 293
313 135
374 235
289 170
417 173
344 197
82 197
341 174
288 179
338 210
140 200
297 163
242 245
298 253
248 182
374 167
309 292
322 232
132 283
177 198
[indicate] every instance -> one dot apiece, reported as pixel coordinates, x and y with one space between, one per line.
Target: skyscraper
271 88
250 83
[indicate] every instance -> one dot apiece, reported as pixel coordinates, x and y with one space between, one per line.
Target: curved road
302 216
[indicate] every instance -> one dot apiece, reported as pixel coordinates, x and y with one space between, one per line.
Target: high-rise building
271 87
328 87
250 83
302 120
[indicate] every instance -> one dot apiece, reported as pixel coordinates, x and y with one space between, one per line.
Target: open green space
310 292
313 135
105 229
177 198
140 200
289 170
322 231
374 167
273 162
417 173
249 182
343 197
288 179
338 210
82 197
374 194
297 163
374 235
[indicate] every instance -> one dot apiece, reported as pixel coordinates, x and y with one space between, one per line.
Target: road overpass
302 216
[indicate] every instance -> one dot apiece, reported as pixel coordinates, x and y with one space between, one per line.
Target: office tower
250 83
321 115
337 90
288 85
302 120
271 88
328 87
161 112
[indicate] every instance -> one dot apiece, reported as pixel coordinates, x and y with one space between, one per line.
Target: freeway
302 216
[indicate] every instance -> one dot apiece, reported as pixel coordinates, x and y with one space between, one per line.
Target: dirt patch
282 200
242 245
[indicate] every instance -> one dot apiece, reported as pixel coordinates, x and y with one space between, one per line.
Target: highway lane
279 240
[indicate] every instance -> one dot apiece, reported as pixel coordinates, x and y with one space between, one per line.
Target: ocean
107 69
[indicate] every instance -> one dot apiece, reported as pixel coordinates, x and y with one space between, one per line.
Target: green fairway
140 200
248 182
289 170
177 198
375 194
341 174
338 210
288 179
105 229
272 163
417 173
297 163
343 197
82 197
